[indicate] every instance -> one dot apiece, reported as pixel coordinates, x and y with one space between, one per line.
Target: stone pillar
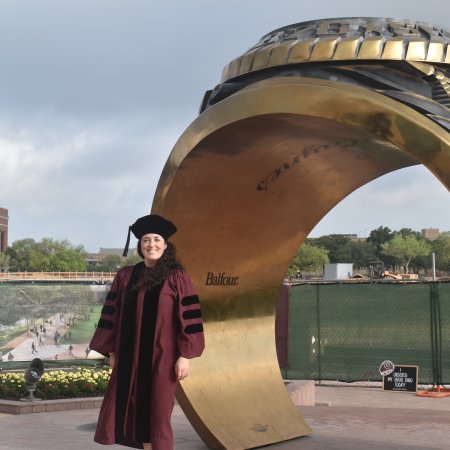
3 229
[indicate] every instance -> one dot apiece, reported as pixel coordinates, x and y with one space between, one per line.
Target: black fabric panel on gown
190 300
144 381
106 324
192 314
108 310
126 353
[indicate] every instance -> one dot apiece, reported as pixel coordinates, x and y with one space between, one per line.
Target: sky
94 95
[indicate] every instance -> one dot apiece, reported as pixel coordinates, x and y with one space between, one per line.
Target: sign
403 378
386 367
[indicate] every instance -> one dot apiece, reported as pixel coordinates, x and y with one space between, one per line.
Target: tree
409 232
4 261
47 255
361 253
441 247
378 237
308 259
112 263
18 253
334 244
405 248
133 259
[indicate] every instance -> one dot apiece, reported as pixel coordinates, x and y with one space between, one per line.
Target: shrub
57 384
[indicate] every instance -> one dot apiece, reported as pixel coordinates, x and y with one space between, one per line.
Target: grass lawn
83 329
9 335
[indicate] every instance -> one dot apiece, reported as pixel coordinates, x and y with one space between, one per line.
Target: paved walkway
357 418
22 346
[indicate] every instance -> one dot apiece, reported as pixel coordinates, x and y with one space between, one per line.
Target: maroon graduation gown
147 331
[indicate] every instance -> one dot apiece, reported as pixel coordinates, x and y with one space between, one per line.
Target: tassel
125 250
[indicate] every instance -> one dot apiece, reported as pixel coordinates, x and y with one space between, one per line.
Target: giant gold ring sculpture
308 115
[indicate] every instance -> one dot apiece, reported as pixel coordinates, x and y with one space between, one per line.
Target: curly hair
152 276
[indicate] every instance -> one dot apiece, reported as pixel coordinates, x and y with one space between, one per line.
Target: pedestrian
44 330
33 348
150 326
87 350
70 349
41 342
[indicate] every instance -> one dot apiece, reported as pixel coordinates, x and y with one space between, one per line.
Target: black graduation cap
150 224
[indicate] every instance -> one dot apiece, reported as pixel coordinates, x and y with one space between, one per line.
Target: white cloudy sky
95 93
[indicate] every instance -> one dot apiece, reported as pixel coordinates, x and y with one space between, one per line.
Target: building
430 233
95 259
110 251
337 271
3 229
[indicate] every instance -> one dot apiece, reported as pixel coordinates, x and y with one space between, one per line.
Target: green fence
344 331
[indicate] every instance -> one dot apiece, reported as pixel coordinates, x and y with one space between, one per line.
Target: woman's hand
112 360
182 368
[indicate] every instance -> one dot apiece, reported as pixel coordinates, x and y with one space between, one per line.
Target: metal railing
102 277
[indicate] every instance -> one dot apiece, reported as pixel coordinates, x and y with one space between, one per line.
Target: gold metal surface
436 52
381 39
393 49
262 58
263 164
370 48
245 184
301 50
280 53
417 50
324 49
347 48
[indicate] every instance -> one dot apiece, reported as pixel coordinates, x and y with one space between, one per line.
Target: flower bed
57 384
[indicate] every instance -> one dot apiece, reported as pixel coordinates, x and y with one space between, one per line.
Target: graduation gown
147 330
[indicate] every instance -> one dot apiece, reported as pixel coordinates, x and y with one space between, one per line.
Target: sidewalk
357 418
22 350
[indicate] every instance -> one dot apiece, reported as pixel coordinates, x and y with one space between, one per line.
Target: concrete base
37 406
302 392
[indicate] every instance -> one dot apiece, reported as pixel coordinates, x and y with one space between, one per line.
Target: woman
150 326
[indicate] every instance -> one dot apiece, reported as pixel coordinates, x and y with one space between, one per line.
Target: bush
57 384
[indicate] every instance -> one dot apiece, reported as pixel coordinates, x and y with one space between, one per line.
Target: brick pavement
358 418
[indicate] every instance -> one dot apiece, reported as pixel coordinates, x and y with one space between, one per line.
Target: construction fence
344 331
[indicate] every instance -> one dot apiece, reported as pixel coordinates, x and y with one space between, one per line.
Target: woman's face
152 248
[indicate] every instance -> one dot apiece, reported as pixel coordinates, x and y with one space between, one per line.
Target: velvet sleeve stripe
108 310
105 324
192 314
190 300
111 296
194 328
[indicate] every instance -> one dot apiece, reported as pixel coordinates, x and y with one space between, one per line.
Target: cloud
408 198
67 173
94 95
